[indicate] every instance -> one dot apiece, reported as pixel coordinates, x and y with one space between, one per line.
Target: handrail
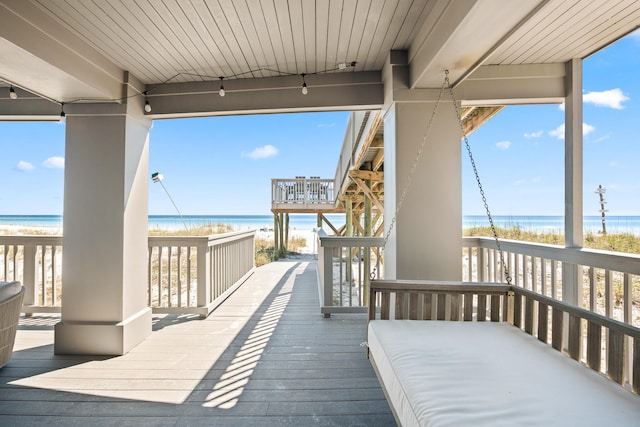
186 275
629 263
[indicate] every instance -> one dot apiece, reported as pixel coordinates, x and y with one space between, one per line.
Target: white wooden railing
610 285
186 275
345 265
610 280
36 261
301 192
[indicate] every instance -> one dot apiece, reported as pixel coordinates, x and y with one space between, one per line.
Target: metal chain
477 175
412 171
405 189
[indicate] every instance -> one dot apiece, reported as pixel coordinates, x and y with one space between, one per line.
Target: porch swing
447 353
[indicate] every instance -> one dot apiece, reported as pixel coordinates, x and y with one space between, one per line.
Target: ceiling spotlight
12 93
221 91
63 116
305 90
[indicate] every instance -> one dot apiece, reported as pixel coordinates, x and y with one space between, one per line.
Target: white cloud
587 129
612 98
25 166
503 145
536 134
613 163
559 131
326 125
54 163
262 152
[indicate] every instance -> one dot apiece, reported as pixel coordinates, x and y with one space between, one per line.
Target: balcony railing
186 275
610 281
345 267
302 193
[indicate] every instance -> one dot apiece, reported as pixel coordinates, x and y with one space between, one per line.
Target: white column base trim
102 338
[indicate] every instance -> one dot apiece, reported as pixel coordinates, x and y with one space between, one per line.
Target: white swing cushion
439 373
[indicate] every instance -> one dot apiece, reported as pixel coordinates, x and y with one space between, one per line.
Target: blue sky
224 165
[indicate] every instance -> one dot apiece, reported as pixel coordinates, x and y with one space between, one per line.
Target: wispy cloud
262 152
612 98
613 163
326 125
559 131
25 166
536 134
54 163
503 145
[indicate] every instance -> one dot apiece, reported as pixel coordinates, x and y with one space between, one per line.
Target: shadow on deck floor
265 357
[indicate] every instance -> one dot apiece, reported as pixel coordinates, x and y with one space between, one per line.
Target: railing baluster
575 337
615 356
594 345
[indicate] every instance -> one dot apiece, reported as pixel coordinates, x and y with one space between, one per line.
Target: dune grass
616 242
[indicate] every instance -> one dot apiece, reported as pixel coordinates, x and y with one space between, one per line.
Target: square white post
104 308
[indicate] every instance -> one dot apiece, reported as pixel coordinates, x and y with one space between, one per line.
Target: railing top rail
436 286
628 263
30 240
211 240
354 241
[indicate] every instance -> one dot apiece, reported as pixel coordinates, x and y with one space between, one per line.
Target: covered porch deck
265 357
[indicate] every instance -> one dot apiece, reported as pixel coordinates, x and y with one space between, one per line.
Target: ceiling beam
33 45
326 92
513 85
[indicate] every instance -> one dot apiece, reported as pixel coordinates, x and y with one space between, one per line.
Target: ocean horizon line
535 223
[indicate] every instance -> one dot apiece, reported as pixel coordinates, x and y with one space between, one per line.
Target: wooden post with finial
600 191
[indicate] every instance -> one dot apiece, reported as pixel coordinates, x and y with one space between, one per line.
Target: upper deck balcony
303 195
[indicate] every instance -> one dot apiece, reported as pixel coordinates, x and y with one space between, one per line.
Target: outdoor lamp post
157 177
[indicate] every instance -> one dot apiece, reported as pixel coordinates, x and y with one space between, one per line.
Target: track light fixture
305 90
63 116
147 106
221 91
12 93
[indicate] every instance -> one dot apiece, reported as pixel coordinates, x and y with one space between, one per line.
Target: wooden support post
348 207
281 250
276 243
286 232
367 251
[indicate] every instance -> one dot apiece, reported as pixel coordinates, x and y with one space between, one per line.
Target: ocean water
307 222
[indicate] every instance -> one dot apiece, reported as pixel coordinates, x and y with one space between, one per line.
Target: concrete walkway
266 357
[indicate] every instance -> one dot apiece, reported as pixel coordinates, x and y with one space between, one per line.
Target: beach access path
265 357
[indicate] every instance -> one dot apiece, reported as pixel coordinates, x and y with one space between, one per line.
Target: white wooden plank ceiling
157 39
83 46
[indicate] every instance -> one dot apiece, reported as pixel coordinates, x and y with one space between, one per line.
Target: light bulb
147 106
63 117
12 93
305 90
221 91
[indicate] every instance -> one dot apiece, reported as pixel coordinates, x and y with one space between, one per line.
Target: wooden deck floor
266 357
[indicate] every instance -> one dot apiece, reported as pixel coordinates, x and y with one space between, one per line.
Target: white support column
105 232
426 240
573 166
